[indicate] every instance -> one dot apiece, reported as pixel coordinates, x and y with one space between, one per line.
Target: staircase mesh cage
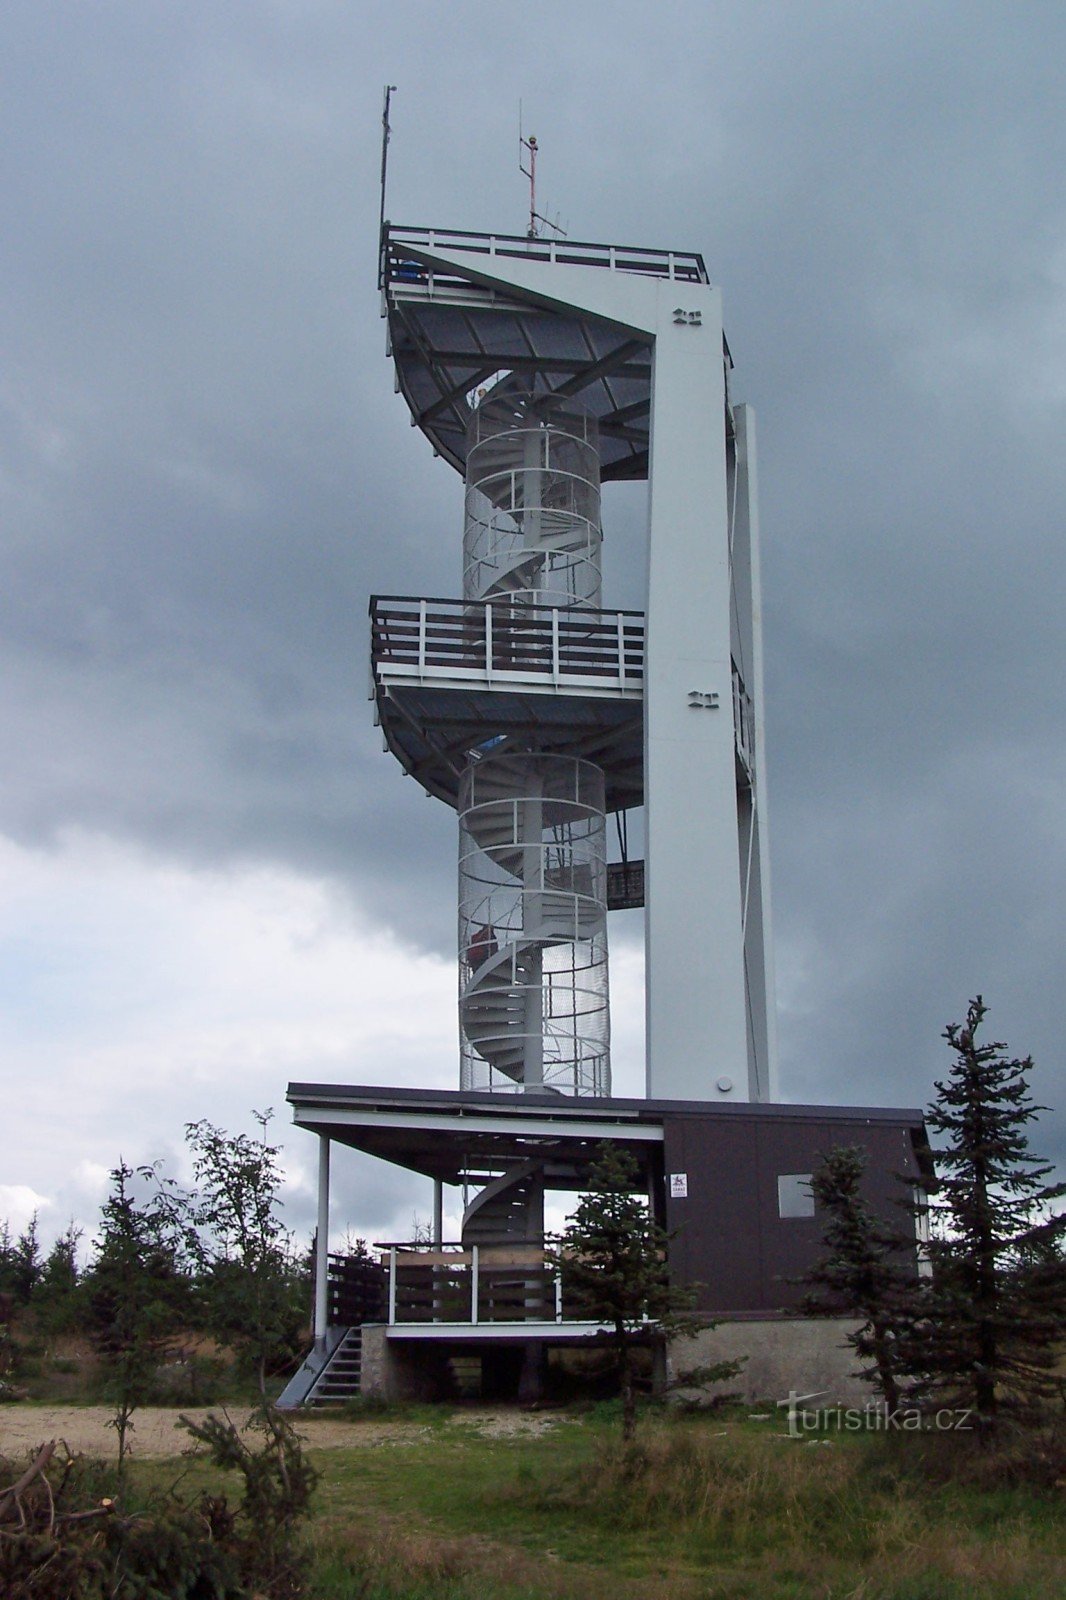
533 992
532 529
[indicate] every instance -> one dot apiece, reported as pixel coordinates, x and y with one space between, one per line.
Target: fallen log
9 1497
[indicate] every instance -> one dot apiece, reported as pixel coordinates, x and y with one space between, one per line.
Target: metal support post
438 1213
322 1252
438 1272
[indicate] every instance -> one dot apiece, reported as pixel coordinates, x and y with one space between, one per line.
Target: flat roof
456 1135
518 1105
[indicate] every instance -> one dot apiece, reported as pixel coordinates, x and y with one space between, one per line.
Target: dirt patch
156 1433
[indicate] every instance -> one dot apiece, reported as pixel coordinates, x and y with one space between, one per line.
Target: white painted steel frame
322 1244
707 965
561 1124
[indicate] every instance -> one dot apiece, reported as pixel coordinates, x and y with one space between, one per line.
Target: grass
64 1369
720 1507
716 1506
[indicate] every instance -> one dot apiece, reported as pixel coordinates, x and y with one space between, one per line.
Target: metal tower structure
539 368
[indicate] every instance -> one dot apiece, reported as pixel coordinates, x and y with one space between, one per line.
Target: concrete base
806 1355
394 1370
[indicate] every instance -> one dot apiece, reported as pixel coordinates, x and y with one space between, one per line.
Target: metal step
340 1379
505 1208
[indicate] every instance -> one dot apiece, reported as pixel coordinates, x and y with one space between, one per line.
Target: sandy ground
156 1433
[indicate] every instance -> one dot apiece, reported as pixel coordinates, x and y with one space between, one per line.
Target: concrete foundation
399 1370
806 1355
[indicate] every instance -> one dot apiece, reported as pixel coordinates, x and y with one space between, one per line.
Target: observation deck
451 677
453 329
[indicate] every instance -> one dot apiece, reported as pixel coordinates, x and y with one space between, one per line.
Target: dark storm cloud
204 473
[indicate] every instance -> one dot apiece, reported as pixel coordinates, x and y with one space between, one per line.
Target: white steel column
696 1024
438 1213
709 978
758 946
322 1252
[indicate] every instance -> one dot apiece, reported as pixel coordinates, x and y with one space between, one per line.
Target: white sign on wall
679 1185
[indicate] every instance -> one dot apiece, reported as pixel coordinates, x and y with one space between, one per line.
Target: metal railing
399 266
478 641
487 639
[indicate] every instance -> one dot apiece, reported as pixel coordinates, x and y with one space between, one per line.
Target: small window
794 1197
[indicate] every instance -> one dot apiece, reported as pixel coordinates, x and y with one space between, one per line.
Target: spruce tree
56 1302
867 1271
998 1299
612 1258
136 1296
20 1262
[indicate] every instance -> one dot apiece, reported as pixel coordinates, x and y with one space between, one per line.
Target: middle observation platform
452 678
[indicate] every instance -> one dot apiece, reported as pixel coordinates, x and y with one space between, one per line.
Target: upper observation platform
459 320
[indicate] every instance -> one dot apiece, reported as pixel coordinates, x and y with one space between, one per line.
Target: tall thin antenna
390 90
530 146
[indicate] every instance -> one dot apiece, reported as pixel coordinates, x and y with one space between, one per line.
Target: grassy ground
64 1369
720 1506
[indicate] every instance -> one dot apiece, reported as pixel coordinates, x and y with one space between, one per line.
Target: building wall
801 1355
731 1240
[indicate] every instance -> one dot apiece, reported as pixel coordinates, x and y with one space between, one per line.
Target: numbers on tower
689 319
703 700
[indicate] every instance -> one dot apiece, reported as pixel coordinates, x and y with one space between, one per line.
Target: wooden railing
484 1284
356 1291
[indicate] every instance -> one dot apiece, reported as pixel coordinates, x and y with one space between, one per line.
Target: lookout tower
540 369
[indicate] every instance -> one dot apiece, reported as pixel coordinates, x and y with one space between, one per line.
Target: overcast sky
212 879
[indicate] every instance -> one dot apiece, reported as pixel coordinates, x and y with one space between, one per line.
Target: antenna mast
390 90
530 146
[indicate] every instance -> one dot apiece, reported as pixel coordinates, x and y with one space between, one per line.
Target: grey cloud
204 472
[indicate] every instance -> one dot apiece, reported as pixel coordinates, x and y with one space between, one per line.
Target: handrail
743 722
450 600
484 1283
496 636
685 266
471 639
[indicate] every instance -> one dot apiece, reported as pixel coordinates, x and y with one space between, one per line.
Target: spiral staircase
533 974
532 527
533 981
507 1210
